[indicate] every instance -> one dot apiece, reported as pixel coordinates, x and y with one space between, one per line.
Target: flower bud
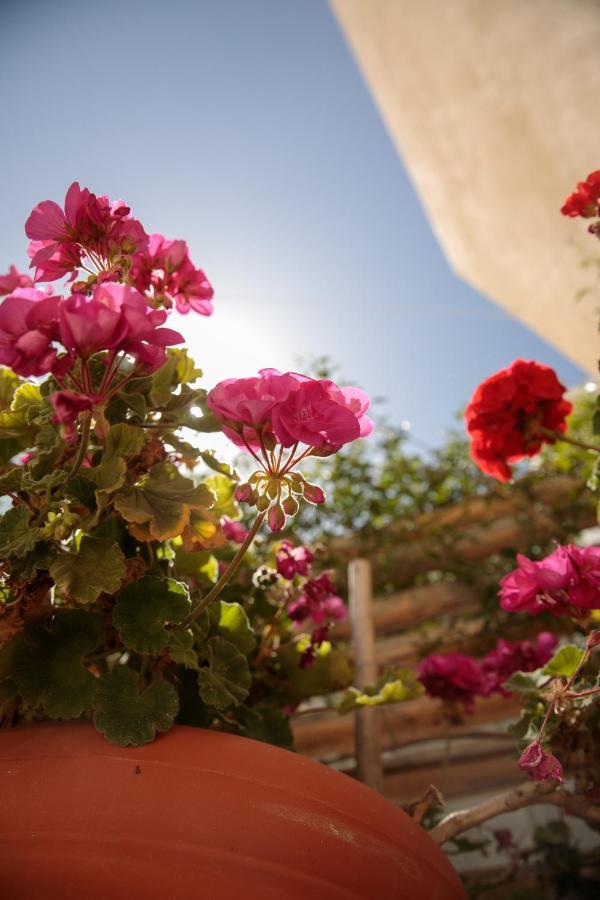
243 492
290 506
262 503
296 482
276 517
313 493
273 488
593 639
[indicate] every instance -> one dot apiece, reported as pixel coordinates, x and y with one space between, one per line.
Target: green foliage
159 505
231 622
268 723
526 682
122 441
126 716
17 537
331 672
226 680
393 687
144 609
565 661
46 663
98 567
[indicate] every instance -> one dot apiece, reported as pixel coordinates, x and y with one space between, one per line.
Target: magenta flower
292 560
318 414
92 223
244 405
116 318
28 331
565 581
515 656
13 280
165 271
318 602
69 405
452 677
234 531
539 765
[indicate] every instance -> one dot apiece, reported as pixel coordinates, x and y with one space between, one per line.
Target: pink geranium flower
515 656
317 414
318 602
453 677
13 280
292 560
565 581
91 223
539 765
234 531
28 332
165 271
116 318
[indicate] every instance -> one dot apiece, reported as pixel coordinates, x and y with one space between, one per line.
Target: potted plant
121 614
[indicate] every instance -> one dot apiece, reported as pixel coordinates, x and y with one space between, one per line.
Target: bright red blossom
510 413
584 200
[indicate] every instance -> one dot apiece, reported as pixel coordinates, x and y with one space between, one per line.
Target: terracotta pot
201 815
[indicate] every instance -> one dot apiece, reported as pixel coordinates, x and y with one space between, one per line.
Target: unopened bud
276 517
290 506
313 493
273 488
262 503
296 482
269 440
243 492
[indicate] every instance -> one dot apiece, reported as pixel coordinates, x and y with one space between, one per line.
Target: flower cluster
458 678
513 413
292 560
567 582
585 199
275 412
164 272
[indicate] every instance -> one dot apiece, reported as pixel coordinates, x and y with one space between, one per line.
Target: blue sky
245 128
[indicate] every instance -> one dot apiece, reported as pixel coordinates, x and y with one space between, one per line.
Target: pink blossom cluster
318 601
234 531
289 409
566 582
164 271
539 765
42 333
291 561
458 678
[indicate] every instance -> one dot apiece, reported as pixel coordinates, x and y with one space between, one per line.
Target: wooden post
366 728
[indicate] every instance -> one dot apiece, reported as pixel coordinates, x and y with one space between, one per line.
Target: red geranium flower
584 201
511 413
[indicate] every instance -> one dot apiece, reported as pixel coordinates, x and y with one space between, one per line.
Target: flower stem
227 574
557 436
83 445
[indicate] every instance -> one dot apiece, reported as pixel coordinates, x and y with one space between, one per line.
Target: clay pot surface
201 815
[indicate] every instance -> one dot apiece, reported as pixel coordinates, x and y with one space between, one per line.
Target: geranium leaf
97 568
17 536
145 607
159 506
525 682
181 648
226 680
565 661
223 488
124 716
264 722
216 465
46 662
394 687
232 623
122 441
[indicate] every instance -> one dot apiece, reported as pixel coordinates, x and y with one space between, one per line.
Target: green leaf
124 716
46 662
565 661
97 568
9 382
267 723
181 648
122 441
233 624
38 560
525 682
17 536
159 506
135 402
178 369
197 562
226 680
395 687
223 489
216 465
145 607
330 672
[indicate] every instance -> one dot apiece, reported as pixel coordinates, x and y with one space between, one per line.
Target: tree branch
464 819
